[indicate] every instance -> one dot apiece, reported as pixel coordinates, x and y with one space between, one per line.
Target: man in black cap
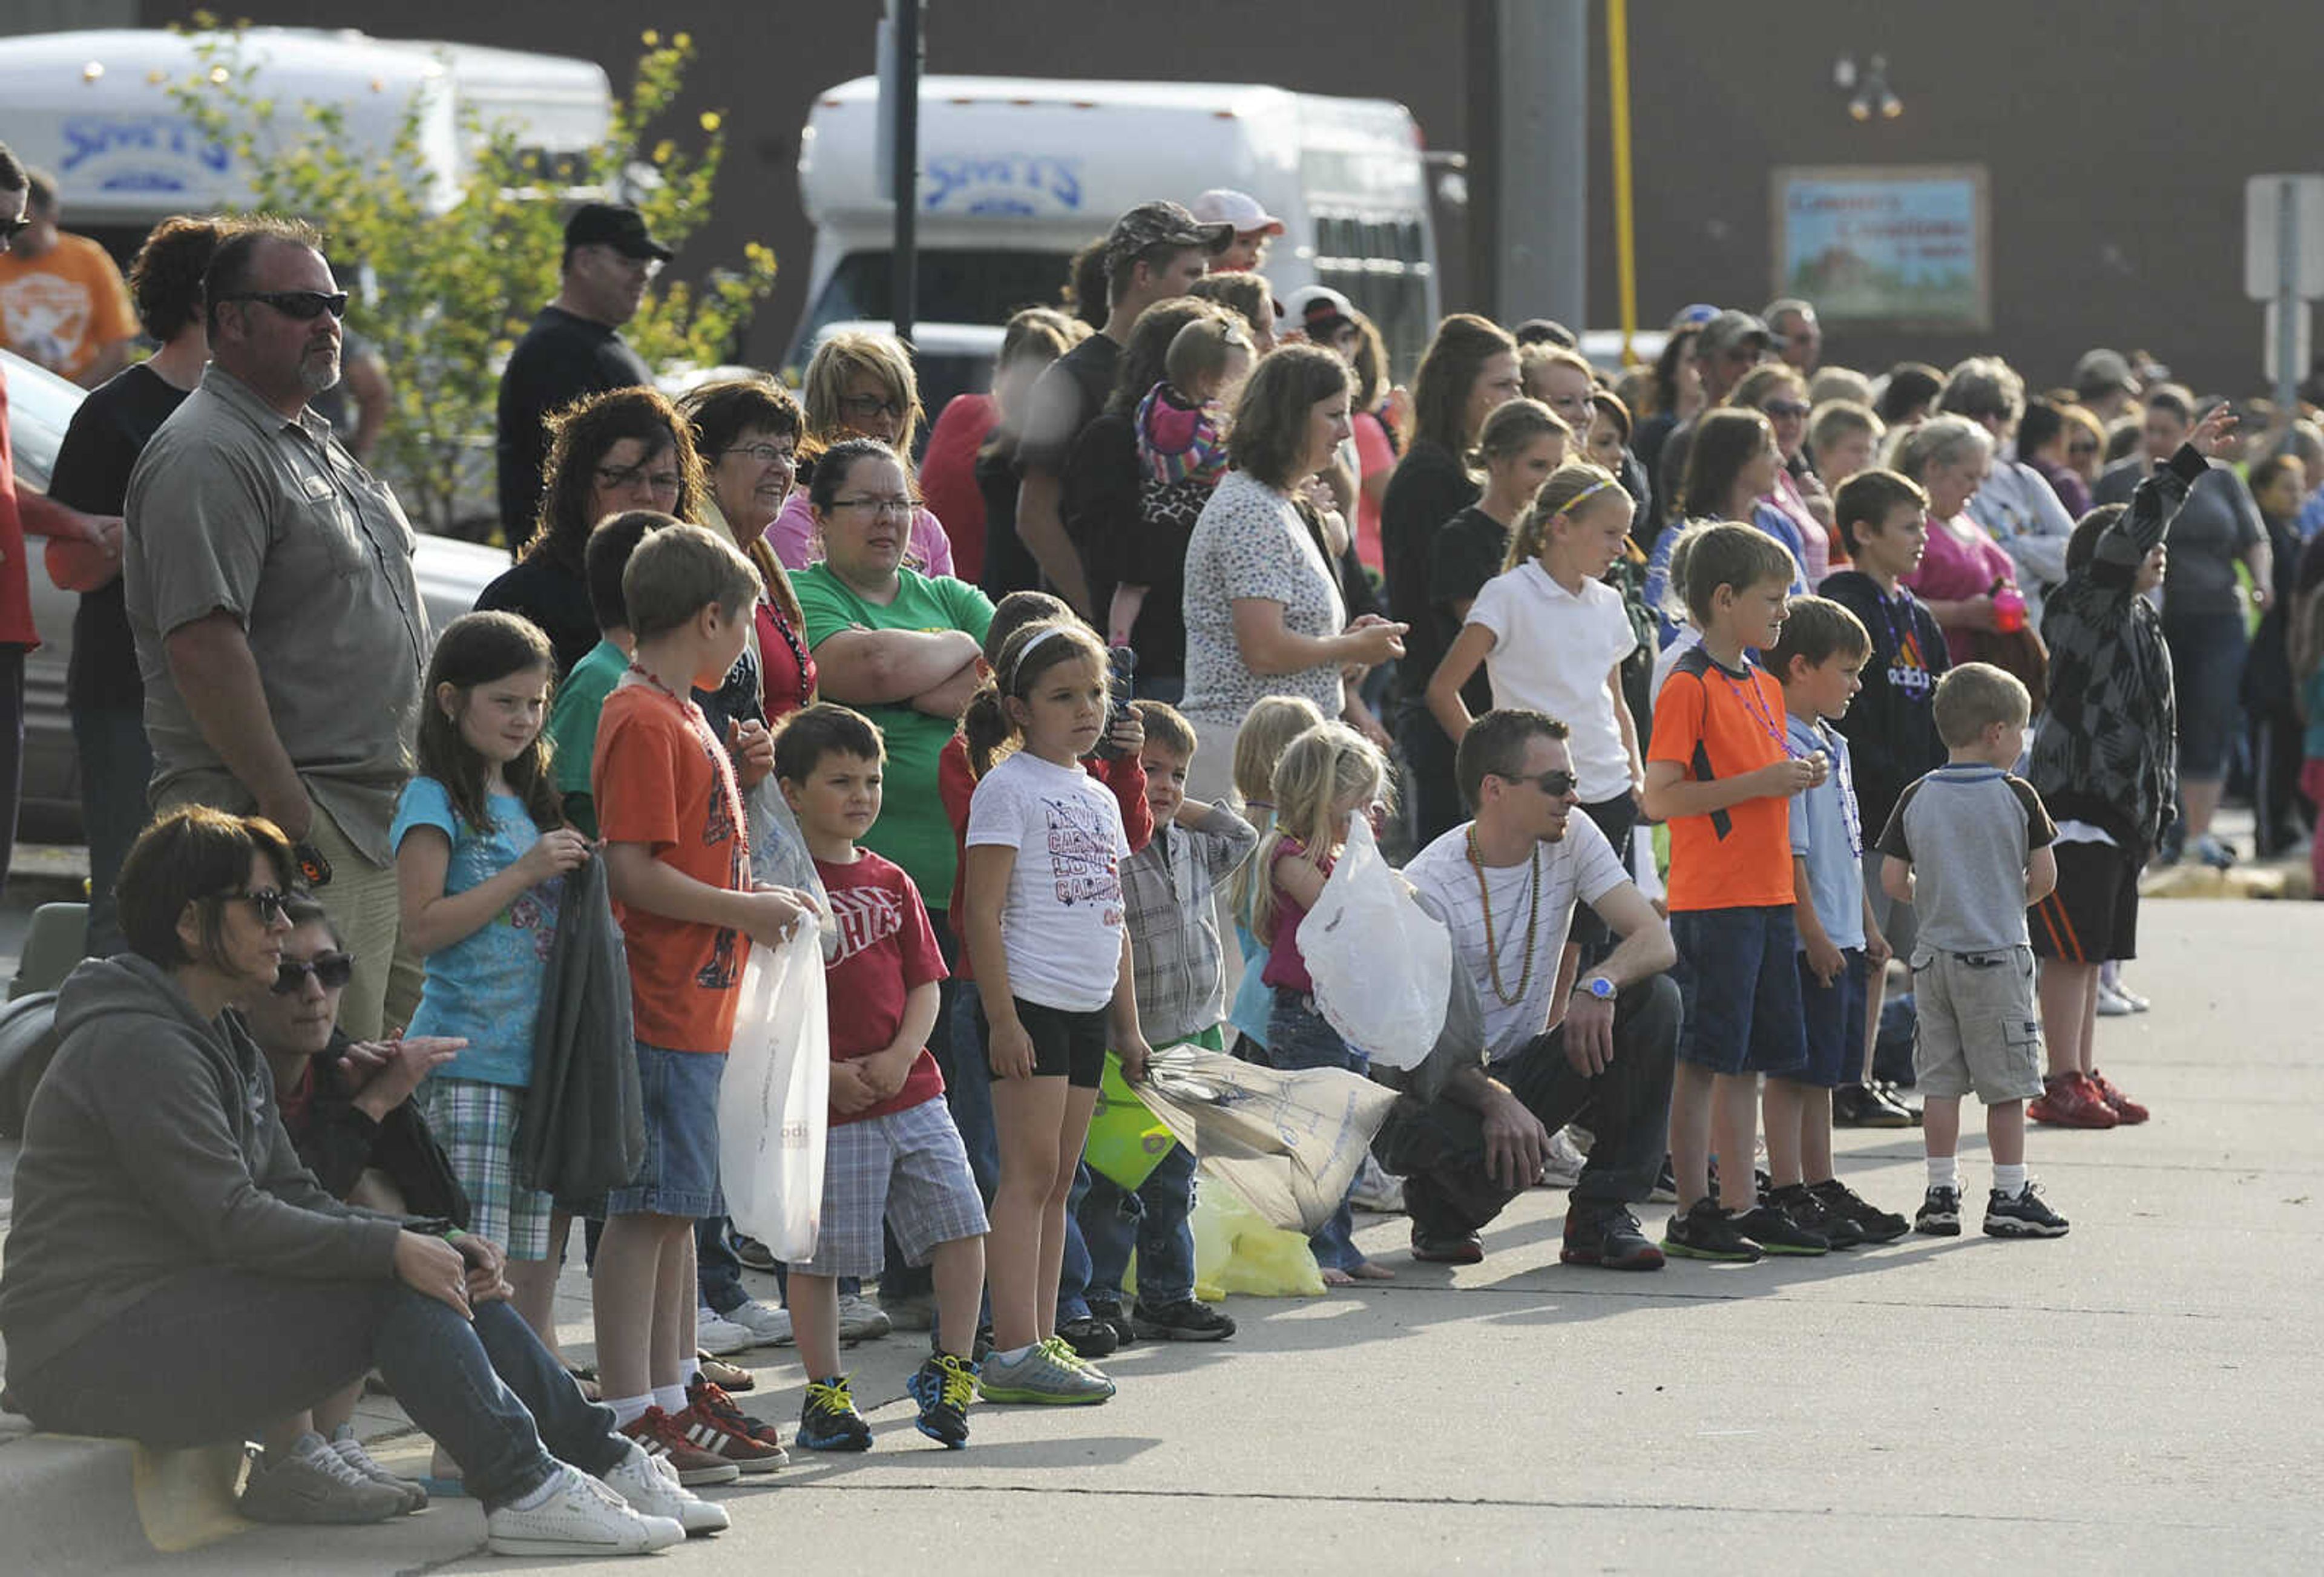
1155 252
574 347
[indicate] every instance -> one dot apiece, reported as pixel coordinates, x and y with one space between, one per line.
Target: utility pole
1542 174
898 150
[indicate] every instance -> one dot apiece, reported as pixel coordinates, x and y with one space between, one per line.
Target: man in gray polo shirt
269 582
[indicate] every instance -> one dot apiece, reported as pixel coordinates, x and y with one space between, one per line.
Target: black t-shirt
560 359
1007 567
1066 398
1098 497
554 598
1428 488
1468 552
108 431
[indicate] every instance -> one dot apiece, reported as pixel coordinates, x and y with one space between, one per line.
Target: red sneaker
2071 1100
2126 1109
658 1432
714 1401
713 1423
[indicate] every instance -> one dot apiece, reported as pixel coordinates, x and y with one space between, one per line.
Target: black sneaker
1089 1337
1467 1248
1708 1232
1808 1210
1860 1106
944 1387
1106 1309
2025 1214
1887 1095
1776 1232
1940 1214
753 1254
1665 1188
1607 1237
1186 1321
1876 1225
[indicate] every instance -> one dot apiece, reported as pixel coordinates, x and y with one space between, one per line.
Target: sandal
726 1377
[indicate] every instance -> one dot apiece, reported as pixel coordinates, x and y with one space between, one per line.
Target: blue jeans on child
1298 1037
1152 1219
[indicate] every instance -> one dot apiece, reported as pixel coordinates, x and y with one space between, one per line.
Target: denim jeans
220 1353
1440 1148
115 765
1152 1219
717 1274
1298 1036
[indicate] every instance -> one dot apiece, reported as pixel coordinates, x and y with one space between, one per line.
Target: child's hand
753 750
1128 734
768 914
850 1092
553 854
1012 1052
884 1073
1135 1057
1789 776
1824 960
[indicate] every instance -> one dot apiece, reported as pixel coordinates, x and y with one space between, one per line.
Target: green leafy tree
451 287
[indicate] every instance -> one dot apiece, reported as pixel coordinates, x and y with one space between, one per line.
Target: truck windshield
956 286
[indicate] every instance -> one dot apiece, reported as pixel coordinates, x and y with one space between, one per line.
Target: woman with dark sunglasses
1777 390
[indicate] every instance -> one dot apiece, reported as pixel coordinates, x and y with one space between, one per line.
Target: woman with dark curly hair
103 690
624 449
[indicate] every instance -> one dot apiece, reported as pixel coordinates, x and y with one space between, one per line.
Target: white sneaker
2112 1004
766 1322
861 1320
581 1517
719 1336
650 1487
1563 1168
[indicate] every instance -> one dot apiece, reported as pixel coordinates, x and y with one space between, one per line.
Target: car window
40 407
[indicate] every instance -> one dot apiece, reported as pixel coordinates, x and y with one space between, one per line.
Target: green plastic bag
1126 1140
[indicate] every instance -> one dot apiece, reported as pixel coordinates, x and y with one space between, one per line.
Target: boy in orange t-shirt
677 863
1721 772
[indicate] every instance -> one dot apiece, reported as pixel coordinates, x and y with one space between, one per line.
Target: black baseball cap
614 224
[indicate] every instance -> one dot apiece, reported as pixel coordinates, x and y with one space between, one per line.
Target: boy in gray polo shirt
1968 846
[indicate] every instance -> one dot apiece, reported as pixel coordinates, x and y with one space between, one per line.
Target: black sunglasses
264 902
1557 785
330 970
14 228
303 306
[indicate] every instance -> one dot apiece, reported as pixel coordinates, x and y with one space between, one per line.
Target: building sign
1907 247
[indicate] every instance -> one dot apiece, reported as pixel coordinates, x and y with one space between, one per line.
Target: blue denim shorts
680 1174
1740 990
1833 1017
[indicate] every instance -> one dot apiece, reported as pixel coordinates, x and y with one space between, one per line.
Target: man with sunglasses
574 347
269 585
1474 1129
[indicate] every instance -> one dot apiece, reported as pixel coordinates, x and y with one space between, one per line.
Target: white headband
1026 650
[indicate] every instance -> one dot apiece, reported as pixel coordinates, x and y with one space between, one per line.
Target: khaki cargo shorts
1978 1031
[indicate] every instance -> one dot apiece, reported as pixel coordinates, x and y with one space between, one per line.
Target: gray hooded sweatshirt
153 1147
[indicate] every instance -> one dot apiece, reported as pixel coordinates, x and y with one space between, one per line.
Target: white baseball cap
1223 205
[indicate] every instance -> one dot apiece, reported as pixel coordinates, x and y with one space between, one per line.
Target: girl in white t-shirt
1043 886
1552 635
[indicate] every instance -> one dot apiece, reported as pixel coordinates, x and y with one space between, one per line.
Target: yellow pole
1626 241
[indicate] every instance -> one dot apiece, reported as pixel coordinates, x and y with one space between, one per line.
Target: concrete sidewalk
2140 1396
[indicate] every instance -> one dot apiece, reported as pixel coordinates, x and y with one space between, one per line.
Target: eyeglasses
266 903
765 455
14 228
1785 408
618 477
331 971
894 508
301 306
864 406
1557 784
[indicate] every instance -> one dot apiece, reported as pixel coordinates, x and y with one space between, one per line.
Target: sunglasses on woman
331 971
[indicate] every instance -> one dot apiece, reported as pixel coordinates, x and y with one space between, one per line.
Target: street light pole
904 122
1542 182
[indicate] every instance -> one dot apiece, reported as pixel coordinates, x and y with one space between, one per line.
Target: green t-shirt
913 829
573 728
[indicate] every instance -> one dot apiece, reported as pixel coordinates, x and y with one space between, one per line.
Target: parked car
451 574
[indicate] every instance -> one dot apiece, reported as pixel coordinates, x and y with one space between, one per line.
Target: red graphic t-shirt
886 947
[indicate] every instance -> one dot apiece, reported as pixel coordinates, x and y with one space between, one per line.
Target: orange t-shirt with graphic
1715 722
63 307
659 778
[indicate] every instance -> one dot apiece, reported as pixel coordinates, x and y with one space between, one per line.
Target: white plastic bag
774 1101
1382 965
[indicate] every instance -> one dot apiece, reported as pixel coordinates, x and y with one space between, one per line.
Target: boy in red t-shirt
893 1155
1721 772
680 871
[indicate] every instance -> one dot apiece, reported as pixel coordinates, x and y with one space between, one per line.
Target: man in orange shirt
62 304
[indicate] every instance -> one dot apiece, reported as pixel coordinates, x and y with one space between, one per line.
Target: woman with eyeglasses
2014 502
861 385
624 449
160 1209
747 432
1777 390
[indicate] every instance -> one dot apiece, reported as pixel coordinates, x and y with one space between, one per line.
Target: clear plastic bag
774 1100
780 856
1382 965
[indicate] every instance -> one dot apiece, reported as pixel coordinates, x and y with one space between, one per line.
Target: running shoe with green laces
1046 1372
828 1420
943 1386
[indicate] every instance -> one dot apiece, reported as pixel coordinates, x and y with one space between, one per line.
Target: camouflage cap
1151 225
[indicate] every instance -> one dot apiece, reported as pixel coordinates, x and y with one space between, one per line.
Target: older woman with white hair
1968 583
2017 503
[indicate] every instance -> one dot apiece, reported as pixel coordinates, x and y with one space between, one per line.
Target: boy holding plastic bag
893 1153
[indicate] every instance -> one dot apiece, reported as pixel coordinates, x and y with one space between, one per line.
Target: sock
1016 1354
628 1410
1944 1172
2009 1181
538 1496
343 1432
305 1446
693 1374
670 1399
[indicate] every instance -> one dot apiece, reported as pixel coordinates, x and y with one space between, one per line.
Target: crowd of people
1699 696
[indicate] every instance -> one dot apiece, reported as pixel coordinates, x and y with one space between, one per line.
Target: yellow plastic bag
1236 1250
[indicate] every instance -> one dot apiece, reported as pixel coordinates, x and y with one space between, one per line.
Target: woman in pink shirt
1776 391
860 385
1965 578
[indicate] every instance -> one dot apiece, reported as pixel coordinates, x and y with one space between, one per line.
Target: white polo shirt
1553 652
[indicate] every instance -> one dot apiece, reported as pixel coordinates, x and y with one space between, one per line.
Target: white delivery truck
1017 173
94 109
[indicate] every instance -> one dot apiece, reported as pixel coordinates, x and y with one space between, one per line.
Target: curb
74 1503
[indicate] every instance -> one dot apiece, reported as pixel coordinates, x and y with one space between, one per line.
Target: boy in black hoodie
1891 728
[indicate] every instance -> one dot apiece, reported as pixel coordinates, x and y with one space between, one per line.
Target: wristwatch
1599 986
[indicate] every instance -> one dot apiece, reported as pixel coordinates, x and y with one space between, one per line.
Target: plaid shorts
476 1123
908 1168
